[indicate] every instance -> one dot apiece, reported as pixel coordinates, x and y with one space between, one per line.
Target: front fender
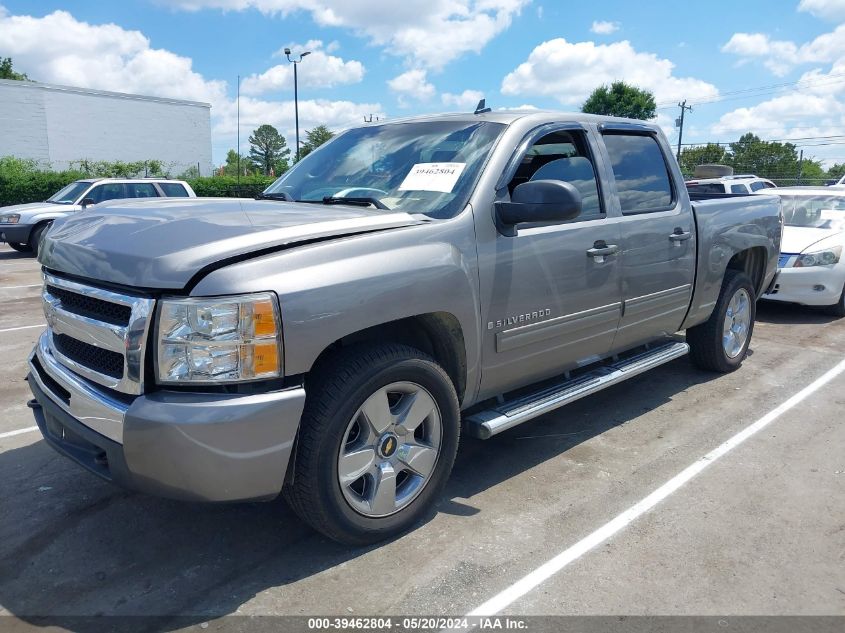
333 289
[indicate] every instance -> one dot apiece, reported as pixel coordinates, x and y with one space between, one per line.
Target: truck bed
730 223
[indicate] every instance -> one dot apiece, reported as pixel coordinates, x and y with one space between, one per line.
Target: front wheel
36 237
21 248
376 443
721 343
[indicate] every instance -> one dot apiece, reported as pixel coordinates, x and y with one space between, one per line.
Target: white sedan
812 270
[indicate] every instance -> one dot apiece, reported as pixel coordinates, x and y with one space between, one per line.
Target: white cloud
319 70
781 56
58 48
602 27
431 33
833 10
569 72
464 100
412 85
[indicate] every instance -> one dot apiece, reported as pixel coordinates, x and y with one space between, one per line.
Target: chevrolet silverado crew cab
22 225
403 283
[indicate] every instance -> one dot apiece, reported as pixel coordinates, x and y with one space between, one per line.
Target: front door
550 294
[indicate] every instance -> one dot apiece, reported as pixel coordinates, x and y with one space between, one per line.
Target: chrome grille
98 334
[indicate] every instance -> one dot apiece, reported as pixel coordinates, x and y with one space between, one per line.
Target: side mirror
538 201
86 201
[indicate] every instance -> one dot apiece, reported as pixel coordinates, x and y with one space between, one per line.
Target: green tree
231 167
7 72
836 171
710 154
621 99
268 148
314 138
750 155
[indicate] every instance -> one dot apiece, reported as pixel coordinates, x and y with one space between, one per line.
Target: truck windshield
425 167
819 212
69 194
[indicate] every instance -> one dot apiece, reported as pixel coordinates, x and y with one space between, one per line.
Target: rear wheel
837 309
21 248
376 444
721 343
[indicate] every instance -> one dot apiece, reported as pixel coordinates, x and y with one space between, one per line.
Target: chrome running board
487 423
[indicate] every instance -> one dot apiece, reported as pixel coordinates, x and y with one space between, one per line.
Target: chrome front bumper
187 445
92 407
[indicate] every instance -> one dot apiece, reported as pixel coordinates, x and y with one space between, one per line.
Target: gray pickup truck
406 282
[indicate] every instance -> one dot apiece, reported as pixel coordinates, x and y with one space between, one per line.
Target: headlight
826 257
10 218
218 339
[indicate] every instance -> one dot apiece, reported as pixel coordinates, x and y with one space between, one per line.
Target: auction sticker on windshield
432 177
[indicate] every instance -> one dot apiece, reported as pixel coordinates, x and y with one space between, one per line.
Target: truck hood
797 239
164 243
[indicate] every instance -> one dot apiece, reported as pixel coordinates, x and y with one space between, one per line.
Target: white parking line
28 429
18 287
22 327
545 571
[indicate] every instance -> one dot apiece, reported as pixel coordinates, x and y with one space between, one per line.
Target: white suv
729 184
22 225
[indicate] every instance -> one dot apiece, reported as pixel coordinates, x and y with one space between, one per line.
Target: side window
141 190
769 185
739 189
563 156
756 186
108 191
173 190
642 178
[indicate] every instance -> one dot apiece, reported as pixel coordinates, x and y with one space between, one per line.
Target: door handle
600 250
679 235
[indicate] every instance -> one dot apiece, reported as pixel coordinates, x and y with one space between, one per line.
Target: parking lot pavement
760 531
20 307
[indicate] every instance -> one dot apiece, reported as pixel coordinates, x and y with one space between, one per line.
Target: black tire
21 248
35 237
706 348
837 309
336 390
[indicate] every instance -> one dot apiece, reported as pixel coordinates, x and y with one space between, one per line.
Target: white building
56 125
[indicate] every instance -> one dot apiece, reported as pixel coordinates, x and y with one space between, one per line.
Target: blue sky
400 58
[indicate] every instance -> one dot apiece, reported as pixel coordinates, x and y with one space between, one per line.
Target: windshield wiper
275 196
358 202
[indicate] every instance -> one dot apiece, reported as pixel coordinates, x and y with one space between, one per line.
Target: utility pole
679 123
800 167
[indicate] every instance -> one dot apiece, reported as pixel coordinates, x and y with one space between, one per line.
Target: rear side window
173 190
141 190
756 186
642 178
740 189
108 191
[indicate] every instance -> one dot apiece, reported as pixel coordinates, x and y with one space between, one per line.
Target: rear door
553 302
658 235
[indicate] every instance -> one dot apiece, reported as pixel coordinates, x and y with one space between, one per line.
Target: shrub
228 186
24 180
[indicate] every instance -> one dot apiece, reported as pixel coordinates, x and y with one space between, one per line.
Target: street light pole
295 63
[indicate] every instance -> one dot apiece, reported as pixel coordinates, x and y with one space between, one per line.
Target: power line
758 91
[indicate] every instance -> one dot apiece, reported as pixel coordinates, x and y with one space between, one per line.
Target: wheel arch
751 261
438 334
